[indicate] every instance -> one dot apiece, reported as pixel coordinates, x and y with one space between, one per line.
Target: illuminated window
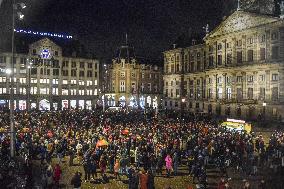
89 92
55 81
33 80
44 90
229 93
239 79
3 90
33 90
64 91
55 91
73 81
275 77
23 80
81 92
72 91
89 83
2 79
250 78
122 86
220 93
81 82
64 82
96 92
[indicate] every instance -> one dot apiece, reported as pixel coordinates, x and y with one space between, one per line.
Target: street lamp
29 85
16 9
182 107
264 109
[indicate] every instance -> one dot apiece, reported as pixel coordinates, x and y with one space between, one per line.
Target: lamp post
16 7
182 107
264 110
29 86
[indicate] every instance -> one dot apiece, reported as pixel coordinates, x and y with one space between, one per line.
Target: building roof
70 47
125 52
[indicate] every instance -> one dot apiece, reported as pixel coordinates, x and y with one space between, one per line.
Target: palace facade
46 79
237 71
131 82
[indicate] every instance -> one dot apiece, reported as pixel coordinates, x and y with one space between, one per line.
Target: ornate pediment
241 20
45 42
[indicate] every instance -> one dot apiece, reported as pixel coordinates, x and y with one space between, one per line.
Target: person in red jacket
57 174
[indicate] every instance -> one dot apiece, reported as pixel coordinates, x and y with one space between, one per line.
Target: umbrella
102 142
125 132
49 134
25 130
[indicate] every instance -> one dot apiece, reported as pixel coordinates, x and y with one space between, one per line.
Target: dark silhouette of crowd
136 145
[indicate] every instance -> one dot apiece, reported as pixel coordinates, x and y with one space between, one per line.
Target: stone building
46 79
131 81
237 71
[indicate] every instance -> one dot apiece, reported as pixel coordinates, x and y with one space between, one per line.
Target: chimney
174 45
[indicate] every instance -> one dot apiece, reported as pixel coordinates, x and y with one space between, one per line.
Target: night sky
101 25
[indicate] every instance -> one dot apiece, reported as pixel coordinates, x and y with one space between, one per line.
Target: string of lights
43 33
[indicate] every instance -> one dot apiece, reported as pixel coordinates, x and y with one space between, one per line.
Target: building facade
129 82
238 70
45 79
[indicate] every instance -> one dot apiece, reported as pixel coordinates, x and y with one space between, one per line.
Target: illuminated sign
45 54
43 33
236 121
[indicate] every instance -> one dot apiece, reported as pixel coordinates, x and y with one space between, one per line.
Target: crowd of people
138 146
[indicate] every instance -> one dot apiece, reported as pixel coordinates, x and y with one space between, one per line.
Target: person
133 178
57 174
221 184
76 181
87 168
169 165
116 169
49 174
143 179
262 184
151 180
103 165
175 163
93 168
71 156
